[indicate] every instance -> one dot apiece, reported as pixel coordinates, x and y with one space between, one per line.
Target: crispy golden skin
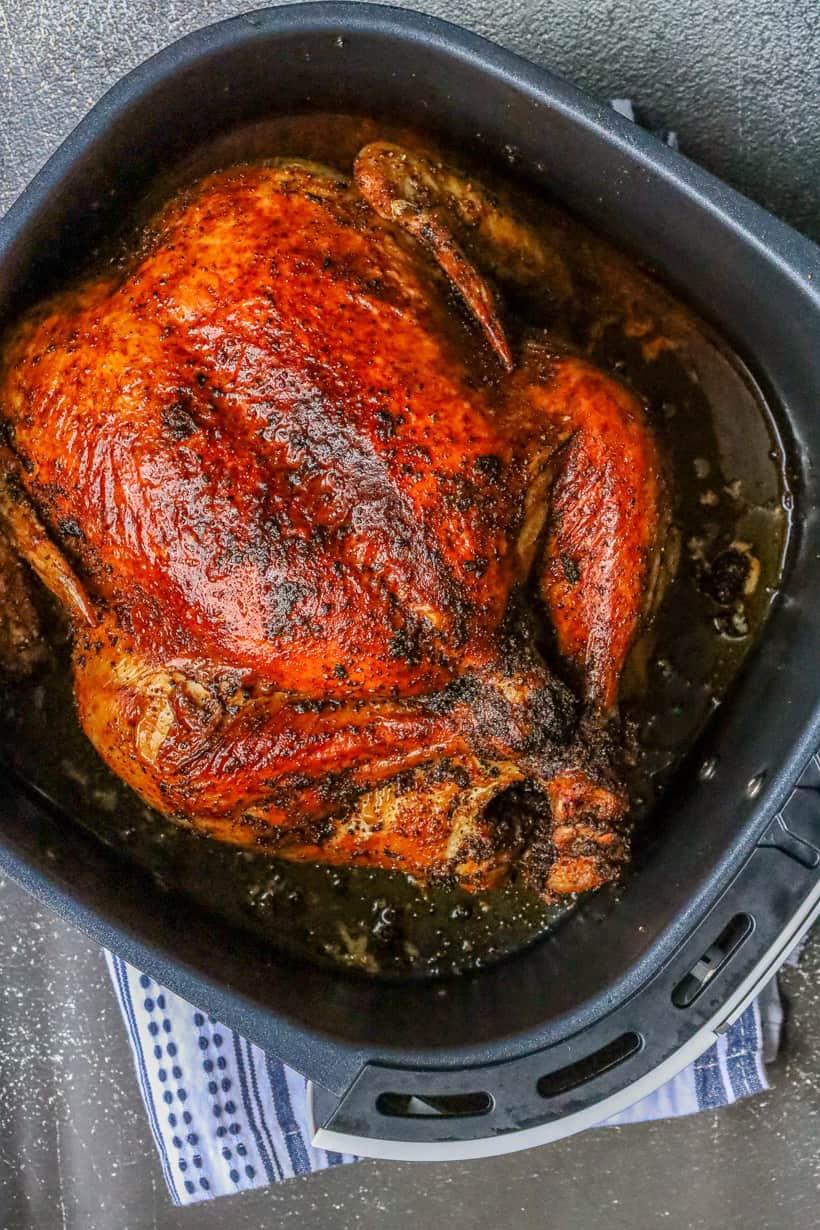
294 506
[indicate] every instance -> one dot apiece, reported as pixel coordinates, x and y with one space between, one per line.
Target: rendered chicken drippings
308 521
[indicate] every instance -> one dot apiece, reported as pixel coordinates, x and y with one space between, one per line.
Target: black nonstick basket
567 1032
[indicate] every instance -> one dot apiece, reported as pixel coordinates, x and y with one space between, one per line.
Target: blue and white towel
226 1117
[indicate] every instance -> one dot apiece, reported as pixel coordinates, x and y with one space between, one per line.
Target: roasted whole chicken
346 558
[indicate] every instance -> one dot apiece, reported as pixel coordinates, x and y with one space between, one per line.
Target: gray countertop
76 1151
739 80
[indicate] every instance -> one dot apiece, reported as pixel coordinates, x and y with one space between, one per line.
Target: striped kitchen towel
227 1117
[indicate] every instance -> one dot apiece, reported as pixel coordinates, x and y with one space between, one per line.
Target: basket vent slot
585 1069
433 1106
713 960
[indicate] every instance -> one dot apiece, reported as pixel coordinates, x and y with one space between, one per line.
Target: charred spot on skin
552 714
386 424
460 776
405 646
477 566
463 690
371 286
13 485
465 495
69 527
571 570
489 466
178 420
283 599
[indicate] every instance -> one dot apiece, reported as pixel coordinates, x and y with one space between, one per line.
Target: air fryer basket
580 1024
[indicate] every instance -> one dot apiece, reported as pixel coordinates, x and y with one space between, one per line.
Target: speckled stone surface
76 1151
737 79
740 82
